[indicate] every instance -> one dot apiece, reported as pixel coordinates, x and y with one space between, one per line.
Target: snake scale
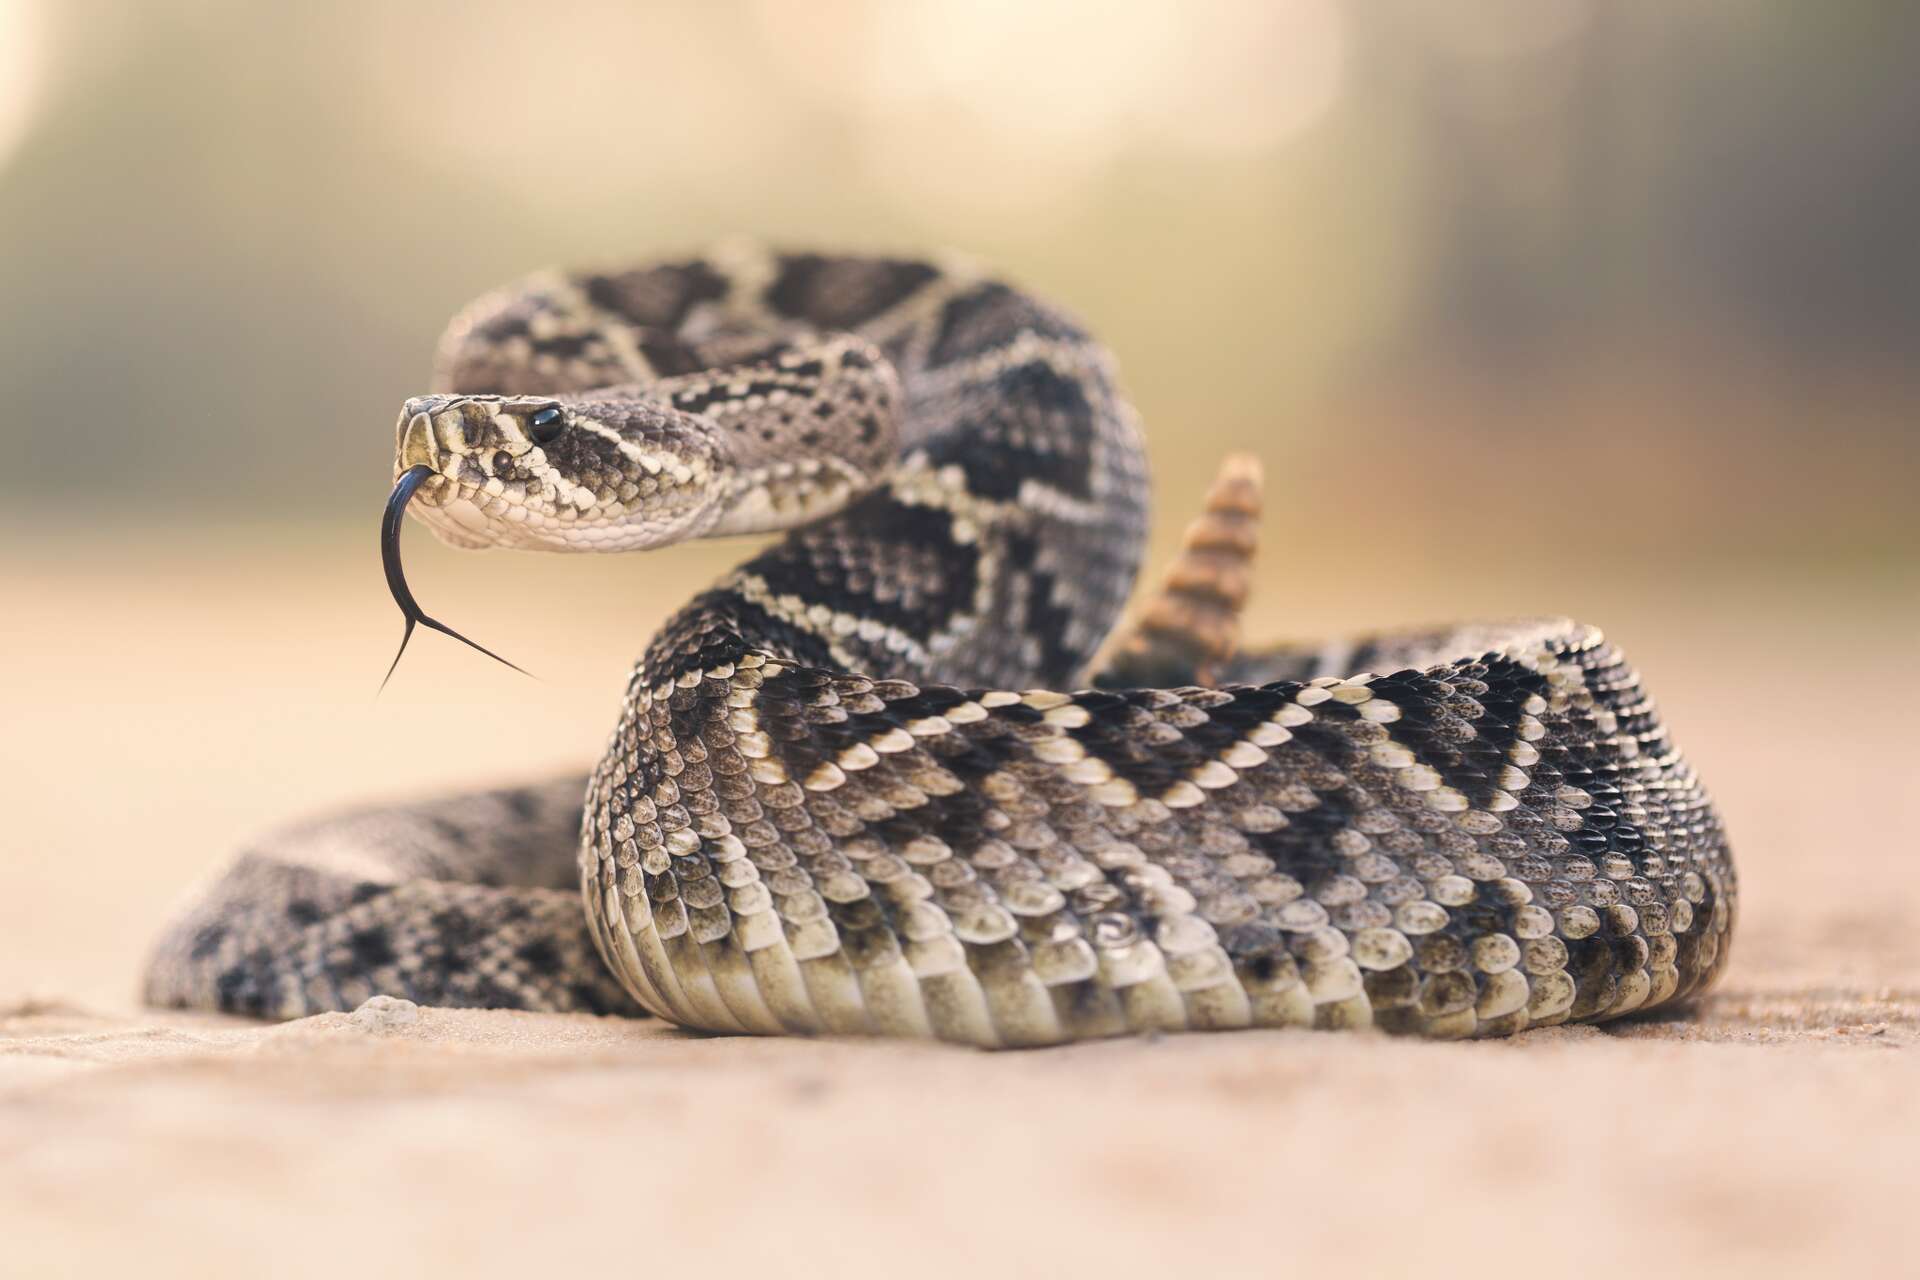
865 784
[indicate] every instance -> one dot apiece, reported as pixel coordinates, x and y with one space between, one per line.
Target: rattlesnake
847 792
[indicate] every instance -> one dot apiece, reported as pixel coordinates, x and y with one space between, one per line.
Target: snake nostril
545 425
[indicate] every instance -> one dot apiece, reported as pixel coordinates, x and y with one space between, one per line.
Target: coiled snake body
848 791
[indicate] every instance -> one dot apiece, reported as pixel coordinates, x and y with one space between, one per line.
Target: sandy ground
158 712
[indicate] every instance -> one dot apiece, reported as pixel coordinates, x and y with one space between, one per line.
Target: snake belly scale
866 784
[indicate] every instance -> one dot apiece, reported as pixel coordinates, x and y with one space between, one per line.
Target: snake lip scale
871 782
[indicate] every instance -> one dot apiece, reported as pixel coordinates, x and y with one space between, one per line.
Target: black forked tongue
410 481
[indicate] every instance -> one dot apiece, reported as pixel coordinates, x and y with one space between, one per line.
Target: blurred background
1528 305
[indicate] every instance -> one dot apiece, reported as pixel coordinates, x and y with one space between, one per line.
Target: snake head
578 473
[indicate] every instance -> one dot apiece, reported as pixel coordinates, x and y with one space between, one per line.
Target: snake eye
544 425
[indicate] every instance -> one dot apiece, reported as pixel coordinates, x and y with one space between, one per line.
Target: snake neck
921 579
997 548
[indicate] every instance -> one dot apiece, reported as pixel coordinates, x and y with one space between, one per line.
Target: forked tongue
410 481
